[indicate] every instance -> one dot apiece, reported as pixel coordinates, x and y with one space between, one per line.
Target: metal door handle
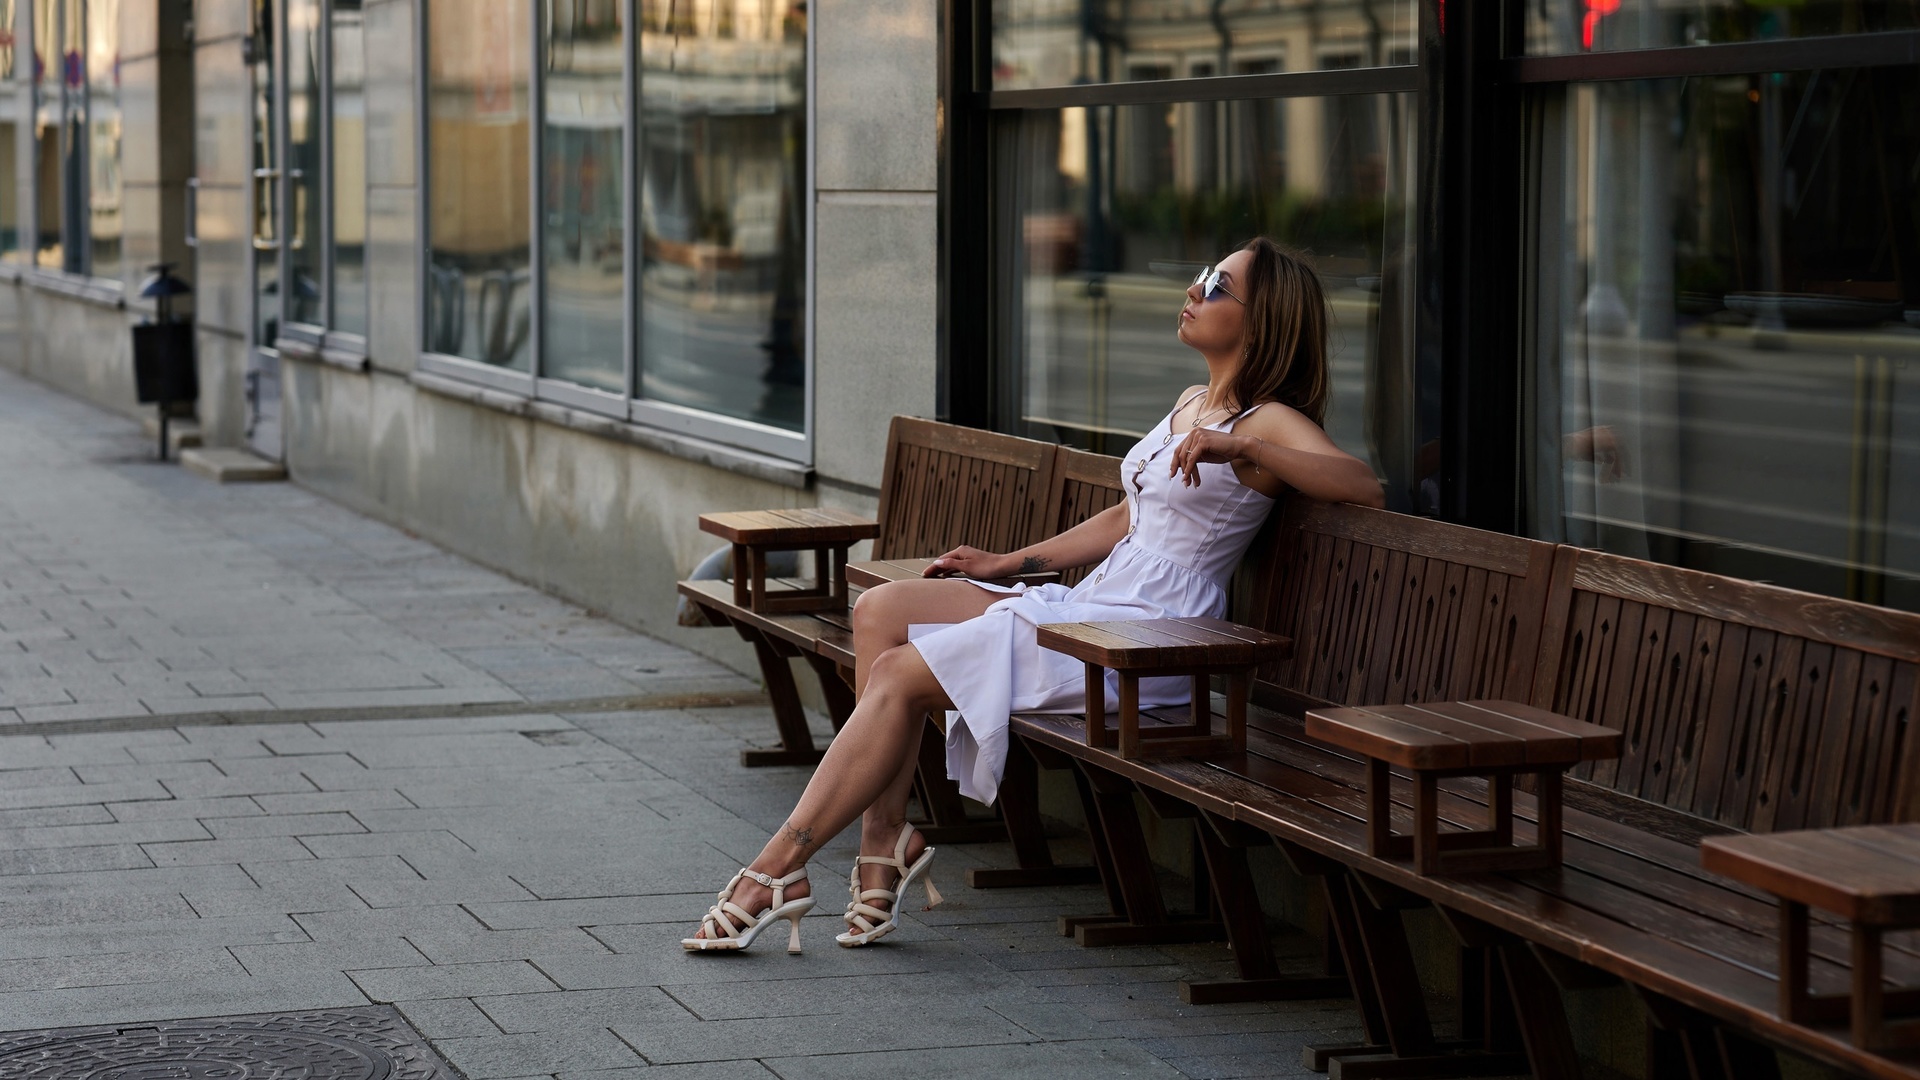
264 238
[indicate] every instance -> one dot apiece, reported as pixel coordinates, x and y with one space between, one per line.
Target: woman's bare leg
882 614
863 763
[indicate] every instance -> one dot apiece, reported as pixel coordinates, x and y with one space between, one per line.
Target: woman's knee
874 607
902 673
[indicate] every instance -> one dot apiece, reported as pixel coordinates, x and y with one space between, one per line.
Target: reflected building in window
723 208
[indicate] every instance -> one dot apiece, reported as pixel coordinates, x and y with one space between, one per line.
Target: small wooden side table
1868 875
826 532
1195 648
1493 739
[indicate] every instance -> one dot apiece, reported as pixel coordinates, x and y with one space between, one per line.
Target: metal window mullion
325 113
283 155
807 274
422 176
536 194
630 196
1287 84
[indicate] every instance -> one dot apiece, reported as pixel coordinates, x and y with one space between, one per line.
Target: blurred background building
543 279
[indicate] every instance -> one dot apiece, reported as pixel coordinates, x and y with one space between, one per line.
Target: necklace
1202 416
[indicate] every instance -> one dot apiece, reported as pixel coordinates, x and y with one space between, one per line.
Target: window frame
81 281
533 385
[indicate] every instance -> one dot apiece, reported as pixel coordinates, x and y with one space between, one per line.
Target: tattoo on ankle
801 838
1033 564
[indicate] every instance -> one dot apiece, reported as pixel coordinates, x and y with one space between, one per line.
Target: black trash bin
163 368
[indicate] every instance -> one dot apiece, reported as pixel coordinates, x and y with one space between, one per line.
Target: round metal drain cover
338 1044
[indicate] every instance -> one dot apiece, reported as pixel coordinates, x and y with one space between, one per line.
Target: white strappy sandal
861 914
732 927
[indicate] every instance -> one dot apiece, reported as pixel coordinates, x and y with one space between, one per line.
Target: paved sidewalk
515 872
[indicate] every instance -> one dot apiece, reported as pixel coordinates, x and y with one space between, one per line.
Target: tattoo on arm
1033 564
801 838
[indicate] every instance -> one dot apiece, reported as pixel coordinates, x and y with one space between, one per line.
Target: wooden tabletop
823 525
1162 643
1463 734
865 575
1869 873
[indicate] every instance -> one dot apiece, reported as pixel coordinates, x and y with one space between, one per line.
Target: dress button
1099 578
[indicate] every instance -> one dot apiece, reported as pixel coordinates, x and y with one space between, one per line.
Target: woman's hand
973 563
1205 445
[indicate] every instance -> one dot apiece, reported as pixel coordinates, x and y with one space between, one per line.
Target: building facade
544 279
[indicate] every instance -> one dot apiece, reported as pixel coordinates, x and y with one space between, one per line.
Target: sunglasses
1209 281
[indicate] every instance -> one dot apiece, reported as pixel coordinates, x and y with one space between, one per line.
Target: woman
1251 433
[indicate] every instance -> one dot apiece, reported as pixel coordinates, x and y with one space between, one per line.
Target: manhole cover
372 1043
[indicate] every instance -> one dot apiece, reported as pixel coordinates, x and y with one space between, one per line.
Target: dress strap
1244 413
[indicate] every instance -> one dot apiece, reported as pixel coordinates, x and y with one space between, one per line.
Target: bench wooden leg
947 820
796 741
1020 810
1139 915
1224 846
1685 1044
1400 1039
834 687
1543 1015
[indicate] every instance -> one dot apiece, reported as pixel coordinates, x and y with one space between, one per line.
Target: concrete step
227 465
182 434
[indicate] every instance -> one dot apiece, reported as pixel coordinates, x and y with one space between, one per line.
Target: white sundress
1181 547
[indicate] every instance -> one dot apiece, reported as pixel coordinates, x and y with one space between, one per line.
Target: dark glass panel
1576 26
1065 42
1726 349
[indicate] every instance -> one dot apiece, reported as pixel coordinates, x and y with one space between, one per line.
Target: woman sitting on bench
1197 487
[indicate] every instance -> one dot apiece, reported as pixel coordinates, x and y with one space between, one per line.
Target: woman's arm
1084 544
1277 448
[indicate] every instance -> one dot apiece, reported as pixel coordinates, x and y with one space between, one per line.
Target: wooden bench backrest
1083 485
1390 609
1759 707
946 485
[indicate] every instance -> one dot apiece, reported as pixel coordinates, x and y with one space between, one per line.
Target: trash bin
163 368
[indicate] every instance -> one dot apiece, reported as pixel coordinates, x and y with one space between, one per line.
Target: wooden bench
942 486
1741 708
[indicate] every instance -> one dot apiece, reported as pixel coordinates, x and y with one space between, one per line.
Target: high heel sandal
719 921
861 927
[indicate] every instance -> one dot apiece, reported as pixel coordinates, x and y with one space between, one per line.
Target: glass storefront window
1040 43
479 55
1574 26
1104 214
305 302
49 101
1725 354
723 211
101 110
12 103
584 303
348 103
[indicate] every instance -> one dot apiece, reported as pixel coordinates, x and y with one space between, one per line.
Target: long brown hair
1286 333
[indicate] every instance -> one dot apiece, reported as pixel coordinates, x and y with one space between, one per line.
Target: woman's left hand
1204 445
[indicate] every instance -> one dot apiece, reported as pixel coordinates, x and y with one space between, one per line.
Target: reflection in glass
305 302
1104 215
348 111
1573 26
723 152
1726 370
265 176
49 119
12 96
478 61
583 314
1064 42
102 111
